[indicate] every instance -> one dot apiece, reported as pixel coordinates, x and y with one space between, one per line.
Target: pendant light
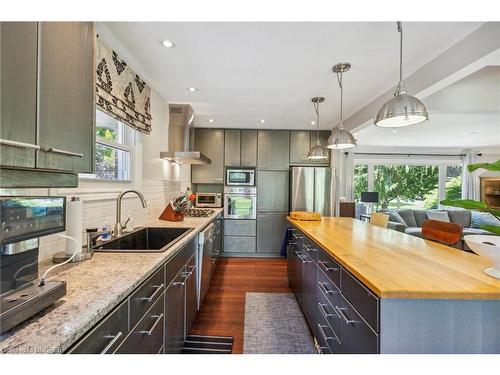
341 138
402 109
318 151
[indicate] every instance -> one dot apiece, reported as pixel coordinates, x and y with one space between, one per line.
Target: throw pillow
439 216
396 217
483 218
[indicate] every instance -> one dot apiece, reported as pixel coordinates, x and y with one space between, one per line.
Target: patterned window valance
120 92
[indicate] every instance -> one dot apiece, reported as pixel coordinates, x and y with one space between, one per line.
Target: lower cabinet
154 318
271 227
342 313
175 307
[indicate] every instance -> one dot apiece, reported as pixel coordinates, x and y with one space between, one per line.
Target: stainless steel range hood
181 137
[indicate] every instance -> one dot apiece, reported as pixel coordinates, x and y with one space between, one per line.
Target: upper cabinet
273 150
48 96
18 59
240 148
66 96
300 143
211 143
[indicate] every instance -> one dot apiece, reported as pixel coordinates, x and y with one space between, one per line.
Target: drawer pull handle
310 248
342 315
325 337
322 310
114 338
213 261
152 297
299 255
61 152
8 142
190 272
158 318
325 290
325 264
181 283
323 349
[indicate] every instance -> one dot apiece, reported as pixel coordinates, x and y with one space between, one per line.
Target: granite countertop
94 288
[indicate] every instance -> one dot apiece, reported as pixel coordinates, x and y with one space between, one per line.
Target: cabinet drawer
145 296
327 312
234 244
179 260
356 336
147 336
327 338
311 249
361 298
107 335
330 267
326 286
240 227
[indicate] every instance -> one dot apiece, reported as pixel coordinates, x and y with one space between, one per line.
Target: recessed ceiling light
211 120
473 132
313 122
262 121
192 89
168 44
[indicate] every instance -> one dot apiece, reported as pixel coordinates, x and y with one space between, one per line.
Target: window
453 184
113 154
360 180
405 186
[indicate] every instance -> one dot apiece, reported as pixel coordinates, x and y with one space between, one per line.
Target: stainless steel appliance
211 200
181 137
205 249
23 221
240 202
217 243
313 189
240 177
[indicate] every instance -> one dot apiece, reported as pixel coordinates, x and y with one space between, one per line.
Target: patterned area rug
274 324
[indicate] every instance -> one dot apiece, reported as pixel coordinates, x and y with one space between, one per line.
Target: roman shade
120 92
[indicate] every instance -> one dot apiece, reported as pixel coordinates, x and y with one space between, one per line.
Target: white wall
159 180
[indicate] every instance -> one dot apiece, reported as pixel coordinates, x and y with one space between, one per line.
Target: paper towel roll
74 225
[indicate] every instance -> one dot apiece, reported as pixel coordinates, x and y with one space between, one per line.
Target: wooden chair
442 232
380 219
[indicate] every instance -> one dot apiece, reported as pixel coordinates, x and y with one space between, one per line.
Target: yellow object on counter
305 216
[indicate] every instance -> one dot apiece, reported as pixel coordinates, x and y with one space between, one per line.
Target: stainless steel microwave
208 200
240 177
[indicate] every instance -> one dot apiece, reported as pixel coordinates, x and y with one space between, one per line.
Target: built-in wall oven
240 177
240 202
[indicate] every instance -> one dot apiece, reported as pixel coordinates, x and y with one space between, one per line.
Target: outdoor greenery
360 180
453 191
402 183
477 205
106 157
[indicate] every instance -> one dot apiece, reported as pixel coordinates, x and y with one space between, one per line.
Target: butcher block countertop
400 266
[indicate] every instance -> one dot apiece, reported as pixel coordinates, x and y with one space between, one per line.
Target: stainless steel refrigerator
312 189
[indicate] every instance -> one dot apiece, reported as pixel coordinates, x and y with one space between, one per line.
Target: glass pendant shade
340 139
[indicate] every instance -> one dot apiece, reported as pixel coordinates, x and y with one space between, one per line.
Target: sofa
410 221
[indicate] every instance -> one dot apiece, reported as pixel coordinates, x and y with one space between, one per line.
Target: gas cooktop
199 212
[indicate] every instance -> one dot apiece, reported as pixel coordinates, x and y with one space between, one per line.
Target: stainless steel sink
145 240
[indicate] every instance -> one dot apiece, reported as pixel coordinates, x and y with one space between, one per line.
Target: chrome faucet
118 231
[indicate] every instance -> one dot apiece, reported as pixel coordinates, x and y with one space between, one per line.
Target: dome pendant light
340 137
318 151
402 109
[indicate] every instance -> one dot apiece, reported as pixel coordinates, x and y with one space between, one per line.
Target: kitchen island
369 289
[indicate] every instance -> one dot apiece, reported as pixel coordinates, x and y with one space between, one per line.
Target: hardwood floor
223 310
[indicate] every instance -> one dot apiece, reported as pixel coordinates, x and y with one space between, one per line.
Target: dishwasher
205 248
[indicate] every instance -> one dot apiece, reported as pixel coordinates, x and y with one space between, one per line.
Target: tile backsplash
100 209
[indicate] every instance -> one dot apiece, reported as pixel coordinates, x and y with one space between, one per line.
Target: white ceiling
465 114
251 71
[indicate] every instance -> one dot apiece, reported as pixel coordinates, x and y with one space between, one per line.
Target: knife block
170 215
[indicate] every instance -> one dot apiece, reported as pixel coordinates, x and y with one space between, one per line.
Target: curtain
120 92
470 181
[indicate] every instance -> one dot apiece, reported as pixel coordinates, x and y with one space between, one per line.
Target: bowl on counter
487 246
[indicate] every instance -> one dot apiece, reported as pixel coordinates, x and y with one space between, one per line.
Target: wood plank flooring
223 310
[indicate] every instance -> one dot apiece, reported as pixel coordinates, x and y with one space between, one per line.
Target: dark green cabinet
272 150
175 305
211 143
240 148
47 101
272 191
66 96
270 229
300 143
18 77
248 148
